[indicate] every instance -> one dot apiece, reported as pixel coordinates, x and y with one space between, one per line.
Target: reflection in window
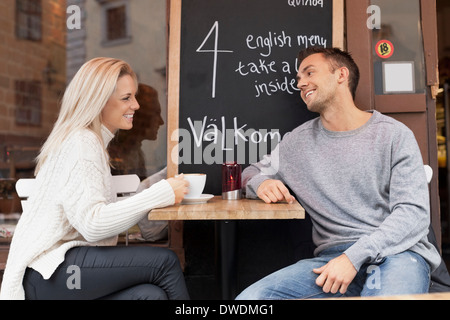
116 23
125 150
401 26
116 30
29 19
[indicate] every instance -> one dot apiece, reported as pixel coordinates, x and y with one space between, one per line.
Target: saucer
202 199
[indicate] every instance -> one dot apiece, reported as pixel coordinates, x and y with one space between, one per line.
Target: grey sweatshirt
366 186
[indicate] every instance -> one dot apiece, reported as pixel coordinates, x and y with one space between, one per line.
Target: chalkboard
232 68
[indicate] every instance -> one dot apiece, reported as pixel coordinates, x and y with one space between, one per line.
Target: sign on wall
232 68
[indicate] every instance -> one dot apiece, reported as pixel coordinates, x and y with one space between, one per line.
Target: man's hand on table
273 191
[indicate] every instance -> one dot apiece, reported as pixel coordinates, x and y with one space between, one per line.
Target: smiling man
360 177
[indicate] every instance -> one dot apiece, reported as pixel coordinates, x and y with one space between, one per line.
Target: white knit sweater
73 205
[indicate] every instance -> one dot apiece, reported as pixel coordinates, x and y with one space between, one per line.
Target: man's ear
343 74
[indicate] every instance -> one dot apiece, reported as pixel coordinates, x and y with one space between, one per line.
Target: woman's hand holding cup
179 186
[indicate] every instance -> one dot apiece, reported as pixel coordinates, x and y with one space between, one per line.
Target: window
28 102
400 36
115 20
29 19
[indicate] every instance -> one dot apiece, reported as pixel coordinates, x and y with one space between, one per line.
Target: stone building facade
32 78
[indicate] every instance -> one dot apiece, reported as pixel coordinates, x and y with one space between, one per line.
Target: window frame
108 5
32 33
28 100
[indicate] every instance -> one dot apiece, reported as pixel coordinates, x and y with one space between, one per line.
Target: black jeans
111 273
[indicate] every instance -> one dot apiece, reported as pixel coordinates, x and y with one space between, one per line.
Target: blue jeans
404 273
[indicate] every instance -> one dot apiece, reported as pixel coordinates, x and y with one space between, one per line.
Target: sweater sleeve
409 216
255 174
86 205
86 196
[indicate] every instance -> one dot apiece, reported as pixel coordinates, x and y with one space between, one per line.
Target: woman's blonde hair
84 100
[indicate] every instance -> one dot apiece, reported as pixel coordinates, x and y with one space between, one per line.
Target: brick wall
32 71
31 68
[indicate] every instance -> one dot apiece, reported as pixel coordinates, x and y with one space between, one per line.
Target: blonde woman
71 225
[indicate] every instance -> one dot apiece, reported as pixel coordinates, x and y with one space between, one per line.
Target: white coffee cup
197 183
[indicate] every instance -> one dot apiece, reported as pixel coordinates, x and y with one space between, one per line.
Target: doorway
443 119
405 40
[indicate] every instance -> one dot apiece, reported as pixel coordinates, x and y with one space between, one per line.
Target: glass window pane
116 23
399 64
29 19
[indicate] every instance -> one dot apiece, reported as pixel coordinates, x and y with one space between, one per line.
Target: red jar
231 181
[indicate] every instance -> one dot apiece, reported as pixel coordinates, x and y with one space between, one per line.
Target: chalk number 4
215 29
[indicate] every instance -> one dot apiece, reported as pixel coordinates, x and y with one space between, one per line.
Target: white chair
124 185
428 172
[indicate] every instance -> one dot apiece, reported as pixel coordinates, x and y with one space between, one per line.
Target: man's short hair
337 59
